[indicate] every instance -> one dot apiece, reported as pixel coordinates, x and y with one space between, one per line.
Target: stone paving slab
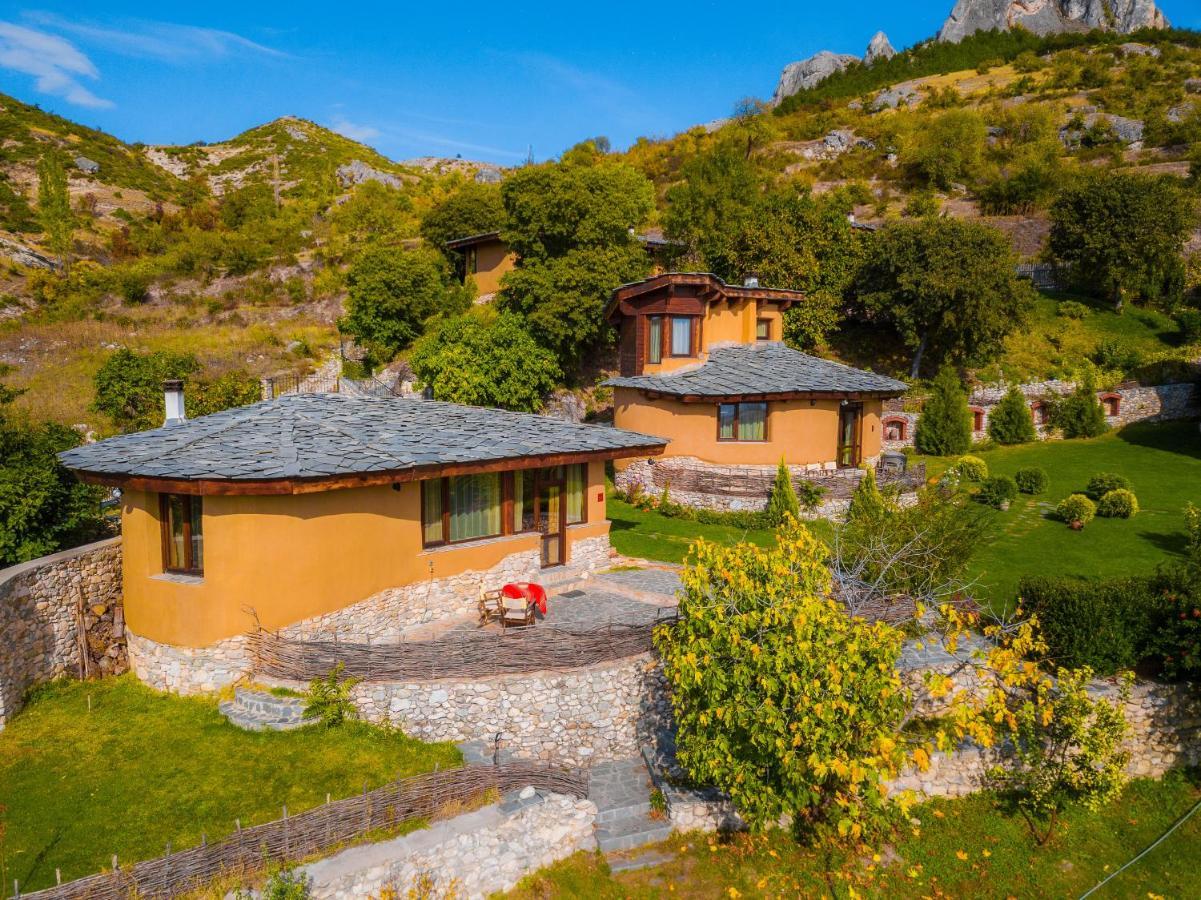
660 583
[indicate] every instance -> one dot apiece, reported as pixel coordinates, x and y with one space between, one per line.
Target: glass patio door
849 418
552 514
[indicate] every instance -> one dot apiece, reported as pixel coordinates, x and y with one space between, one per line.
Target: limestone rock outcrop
807 73
880 47
1050 16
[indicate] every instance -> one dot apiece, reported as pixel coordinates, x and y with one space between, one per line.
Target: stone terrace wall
471 856
1137 403
188 670
40 616
577 716
696 483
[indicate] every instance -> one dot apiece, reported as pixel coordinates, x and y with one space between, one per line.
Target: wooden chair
516 612
491 607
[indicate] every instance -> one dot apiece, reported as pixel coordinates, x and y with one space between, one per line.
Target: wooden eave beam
283 486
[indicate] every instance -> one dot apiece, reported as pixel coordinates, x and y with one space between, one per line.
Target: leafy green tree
782 700
373 212
1011 422
782 504
1072 755
1124 234
944 427
948 287
129 386
472 209
43 509
232 389
553 209
485 361
54 208
950 147
393 292
710 205
562 299
1081 414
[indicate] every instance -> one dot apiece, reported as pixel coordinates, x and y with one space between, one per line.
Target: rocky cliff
1050 16
807 73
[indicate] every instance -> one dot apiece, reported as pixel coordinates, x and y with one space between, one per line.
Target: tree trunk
916 368
1118 298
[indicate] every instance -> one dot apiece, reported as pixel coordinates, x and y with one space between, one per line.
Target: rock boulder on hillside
807 73
1050 16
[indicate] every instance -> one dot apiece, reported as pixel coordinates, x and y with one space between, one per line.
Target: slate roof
315 436
767 367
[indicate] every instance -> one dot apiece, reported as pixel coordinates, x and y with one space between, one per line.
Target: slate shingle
762 368
315 435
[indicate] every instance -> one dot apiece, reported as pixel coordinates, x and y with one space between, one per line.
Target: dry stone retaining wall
702 485
43 603
188 670
1137 403
577 716
471 856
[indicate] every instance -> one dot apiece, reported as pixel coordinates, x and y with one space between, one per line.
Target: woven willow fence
294 838
479 655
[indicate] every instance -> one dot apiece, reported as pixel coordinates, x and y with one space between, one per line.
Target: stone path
654 585
262 711
621 791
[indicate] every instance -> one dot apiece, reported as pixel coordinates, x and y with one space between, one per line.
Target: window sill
479 542
178 578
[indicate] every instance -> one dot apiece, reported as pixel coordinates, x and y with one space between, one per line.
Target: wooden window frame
508 525
765 323
654 353
693 337
899 423
978 419
165 525
737 438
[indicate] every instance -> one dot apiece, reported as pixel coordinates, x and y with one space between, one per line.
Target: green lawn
1163 462
649 535
142 769
966 848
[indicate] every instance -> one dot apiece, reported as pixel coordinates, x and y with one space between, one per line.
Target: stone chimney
173 395
751 281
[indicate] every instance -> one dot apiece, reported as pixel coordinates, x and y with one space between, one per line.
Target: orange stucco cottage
702 364
323 514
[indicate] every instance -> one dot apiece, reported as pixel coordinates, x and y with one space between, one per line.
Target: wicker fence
469 655
317 831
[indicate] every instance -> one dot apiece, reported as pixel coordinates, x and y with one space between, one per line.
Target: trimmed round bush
1072 309
1117 504
1104 482
971 468
1032 480
998 491
1076 508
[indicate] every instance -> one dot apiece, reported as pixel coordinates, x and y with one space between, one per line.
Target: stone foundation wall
188 670
1137 403
383 617
43 604
589 554
701 485
577 716
470 856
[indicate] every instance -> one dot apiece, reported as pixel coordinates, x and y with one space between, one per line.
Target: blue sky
414 79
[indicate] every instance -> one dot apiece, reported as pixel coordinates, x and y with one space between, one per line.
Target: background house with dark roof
703 365
323 508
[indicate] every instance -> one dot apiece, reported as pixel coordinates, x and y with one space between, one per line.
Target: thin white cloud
354 130
54 62
592 87
164 41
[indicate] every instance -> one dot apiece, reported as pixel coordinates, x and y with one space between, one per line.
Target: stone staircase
261 711
621 791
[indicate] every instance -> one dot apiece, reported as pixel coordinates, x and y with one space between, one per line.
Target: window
654 340
473 260
473 507
577 486
977 419
1112 403
1042 415
742 421
681 335
183 533
763 330
895 429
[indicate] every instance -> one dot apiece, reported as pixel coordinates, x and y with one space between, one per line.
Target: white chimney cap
751 281
173 398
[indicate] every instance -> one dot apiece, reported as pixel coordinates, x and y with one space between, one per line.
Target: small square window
763 330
